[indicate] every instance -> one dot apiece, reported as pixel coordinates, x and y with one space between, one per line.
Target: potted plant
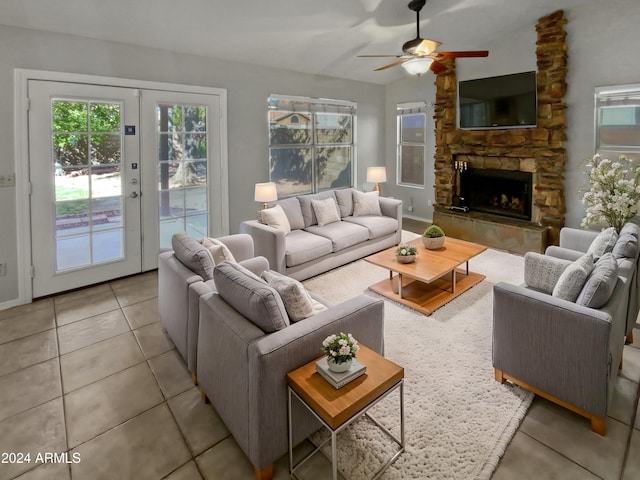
433 237
406 253
340 350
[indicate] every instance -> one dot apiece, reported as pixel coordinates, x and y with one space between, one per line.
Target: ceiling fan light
417 66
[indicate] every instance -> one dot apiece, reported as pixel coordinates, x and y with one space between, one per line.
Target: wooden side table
337 408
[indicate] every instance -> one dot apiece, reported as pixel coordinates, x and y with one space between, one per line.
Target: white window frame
623 96
402 110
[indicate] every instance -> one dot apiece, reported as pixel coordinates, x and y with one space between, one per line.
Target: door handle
134 195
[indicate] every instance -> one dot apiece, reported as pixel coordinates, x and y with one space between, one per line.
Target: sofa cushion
342 234
600 284
626 246
603 243
253 299
366 203
570 283
378 226
344 197
542 272
631 228
193 255
275 217
302 246
296 299
218 250
307 210
292 210
326 211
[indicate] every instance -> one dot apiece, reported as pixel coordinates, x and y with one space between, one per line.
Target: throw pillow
631 228
344 197
603 243
253 299
573 278
542 271
599 286
626 246
193 255
276 218
297 301
214 246
366 203
326 211
245 271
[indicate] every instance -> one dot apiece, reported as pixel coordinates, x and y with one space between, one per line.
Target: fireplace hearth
497 192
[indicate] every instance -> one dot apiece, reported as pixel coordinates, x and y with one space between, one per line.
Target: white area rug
458 419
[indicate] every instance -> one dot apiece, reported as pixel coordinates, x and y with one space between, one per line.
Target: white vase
339 367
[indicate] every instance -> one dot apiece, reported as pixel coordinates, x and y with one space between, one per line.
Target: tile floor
92 373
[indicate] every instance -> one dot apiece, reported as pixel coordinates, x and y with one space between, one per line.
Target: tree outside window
412 132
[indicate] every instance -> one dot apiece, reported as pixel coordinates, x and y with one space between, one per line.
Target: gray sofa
181 282
310 249
565 351
246 346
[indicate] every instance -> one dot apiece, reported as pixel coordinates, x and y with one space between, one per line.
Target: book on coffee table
340 379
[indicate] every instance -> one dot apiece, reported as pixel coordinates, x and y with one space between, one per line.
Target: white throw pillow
570 283
366 203
276 218
603 243
216 247
297 301
326 211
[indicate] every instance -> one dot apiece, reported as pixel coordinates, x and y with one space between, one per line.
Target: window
618 121
311 144
412 133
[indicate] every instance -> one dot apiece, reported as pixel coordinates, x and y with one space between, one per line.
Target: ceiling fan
419 53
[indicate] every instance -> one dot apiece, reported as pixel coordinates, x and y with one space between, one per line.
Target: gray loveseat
569 351
247 345
310 249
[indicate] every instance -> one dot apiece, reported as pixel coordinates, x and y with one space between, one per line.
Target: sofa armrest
577 239
391 207
241 245
554 345
256 265
268 242
563 253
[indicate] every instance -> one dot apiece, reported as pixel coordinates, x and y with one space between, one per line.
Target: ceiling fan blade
426 47
467 54
436 67
399 62
381 56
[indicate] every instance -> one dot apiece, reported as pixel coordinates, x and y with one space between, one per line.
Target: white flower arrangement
341 348
406 250
614 192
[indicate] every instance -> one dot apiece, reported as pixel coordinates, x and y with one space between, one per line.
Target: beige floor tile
146 447
136 289
630 364
89 305
28 351
97 361
143 313
624 397
198 422
632 468
98 407
38 430
225 461
570 435
527 458
317 466
92 330
189 471
12 328
27 309
29 387
48 471
81 293
153 340
171 373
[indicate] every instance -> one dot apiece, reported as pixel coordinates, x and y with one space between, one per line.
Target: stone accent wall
538 150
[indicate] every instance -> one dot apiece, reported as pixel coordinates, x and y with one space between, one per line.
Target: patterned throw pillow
543 271
326 211
366 203
296 299
276 218
573 278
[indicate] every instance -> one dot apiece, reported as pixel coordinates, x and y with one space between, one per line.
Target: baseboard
10 304
416 218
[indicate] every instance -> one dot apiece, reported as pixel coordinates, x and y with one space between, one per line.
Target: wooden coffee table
433 279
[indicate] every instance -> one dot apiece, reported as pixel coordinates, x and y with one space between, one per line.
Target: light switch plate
7 179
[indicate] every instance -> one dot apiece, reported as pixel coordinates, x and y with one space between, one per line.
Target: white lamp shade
266 192
418 66
376 174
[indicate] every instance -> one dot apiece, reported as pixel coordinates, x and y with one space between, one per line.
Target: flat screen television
506 101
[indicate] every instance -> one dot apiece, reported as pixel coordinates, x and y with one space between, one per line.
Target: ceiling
319 37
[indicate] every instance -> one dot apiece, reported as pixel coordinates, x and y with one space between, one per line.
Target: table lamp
265 192
377 175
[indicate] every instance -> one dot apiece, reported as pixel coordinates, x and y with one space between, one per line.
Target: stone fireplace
537 154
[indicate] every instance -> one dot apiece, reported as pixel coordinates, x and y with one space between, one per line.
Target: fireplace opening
498 192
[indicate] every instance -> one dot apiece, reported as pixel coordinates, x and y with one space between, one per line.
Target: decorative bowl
406 258
433 243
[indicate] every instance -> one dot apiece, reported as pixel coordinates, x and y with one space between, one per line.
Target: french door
103 203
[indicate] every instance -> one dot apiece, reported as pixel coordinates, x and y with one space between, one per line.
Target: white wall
603 45
247 86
